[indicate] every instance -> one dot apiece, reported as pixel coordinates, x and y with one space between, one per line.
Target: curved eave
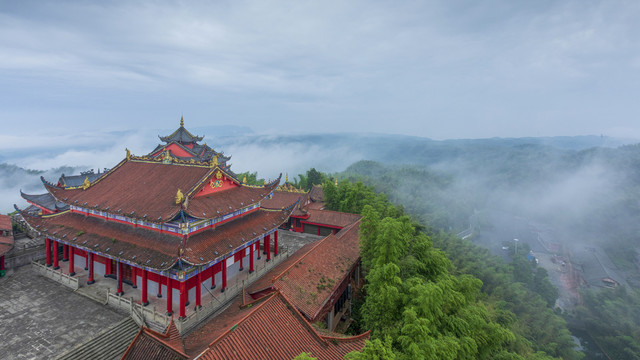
269 188
193 138
285 213
103 240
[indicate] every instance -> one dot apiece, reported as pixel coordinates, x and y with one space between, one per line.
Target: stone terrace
41 319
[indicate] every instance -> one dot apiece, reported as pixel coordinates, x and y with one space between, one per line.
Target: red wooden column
213 277
90 279
71 261
183 295
224 275
242 259
134 277
275 243
159 296
47 245
65 252
107 267
251 258
145 300
267 246
258 249
2 262
198 285
56 266
169 297
120 292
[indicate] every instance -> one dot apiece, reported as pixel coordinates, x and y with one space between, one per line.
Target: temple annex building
180 241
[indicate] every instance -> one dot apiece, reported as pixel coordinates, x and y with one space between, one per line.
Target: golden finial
86 183
336 183
179 197
244 181
128 154
181 121
287 178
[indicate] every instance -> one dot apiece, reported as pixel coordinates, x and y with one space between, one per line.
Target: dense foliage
420 306
613 319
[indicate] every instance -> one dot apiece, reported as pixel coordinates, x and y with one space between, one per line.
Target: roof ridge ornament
128 155
214 161
181 121
86 183
179 197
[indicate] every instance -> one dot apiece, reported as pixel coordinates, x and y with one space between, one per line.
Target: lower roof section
276 330
151 249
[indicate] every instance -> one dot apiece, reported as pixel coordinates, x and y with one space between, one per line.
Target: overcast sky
446 69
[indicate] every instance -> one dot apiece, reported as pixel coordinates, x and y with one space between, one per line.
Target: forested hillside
419 304
592 196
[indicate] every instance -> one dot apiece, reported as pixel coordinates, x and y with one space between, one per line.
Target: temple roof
147 190
282 199
331 218
6 235
149 344
149 248
46 201
312 280
77 180
181 135
276 330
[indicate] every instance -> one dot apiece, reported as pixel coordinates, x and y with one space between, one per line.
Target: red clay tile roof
331 218
282 199
312 280
150 248
6 242
86 232
231 235
149 344
149 190
5 222
226 201
146 188
276 330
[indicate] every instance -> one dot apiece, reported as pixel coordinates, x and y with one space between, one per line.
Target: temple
167 222
177 223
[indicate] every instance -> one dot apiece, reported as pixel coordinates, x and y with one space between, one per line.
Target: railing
149 316
56 275
200 314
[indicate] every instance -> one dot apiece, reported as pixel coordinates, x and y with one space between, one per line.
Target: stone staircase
111 343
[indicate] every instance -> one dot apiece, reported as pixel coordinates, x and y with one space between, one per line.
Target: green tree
374 350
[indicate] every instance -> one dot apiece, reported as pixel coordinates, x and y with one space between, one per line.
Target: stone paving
40 318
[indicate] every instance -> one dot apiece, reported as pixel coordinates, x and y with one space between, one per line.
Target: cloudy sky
438 69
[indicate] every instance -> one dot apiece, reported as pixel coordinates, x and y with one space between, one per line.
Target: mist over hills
270 155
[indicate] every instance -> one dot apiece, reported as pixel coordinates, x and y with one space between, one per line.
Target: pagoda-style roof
183 145
313 280
152 249
181 135
45 201
149 344
147 190
276 330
